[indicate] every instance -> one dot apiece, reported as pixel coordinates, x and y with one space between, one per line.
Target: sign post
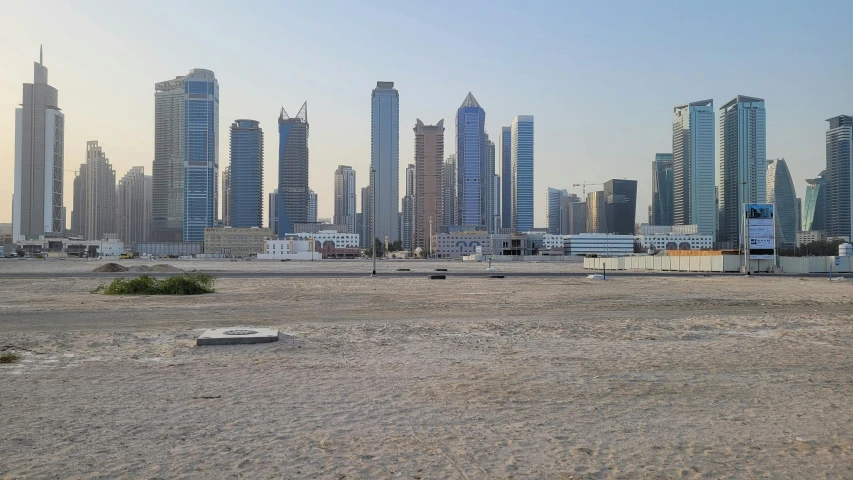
760 232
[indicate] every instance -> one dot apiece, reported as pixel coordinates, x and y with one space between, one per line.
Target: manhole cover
237 335
240 332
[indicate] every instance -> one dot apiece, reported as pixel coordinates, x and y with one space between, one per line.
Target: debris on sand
110 268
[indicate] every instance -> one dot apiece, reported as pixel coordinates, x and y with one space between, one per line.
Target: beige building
236 242
429 172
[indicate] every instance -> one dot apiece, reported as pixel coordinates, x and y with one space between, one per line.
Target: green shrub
9 357
187 284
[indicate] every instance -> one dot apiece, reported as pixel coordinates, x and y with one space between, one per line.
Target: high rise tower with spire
39 159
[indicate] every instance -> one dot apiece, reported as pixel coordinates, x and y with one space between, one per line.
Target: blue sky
601 78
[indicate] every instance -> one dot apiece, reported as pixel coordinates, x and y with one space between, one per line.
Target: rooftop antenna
41 56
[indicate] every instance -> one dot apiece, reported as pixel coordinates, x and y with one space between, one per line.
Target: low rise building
677 241
333 243
598 244
314 227
810 236
457 244
169 249
646 229
236 242
72 247
518 244
291 247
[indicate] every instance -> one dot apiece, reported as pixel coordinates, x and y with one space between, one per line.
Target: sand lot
467 378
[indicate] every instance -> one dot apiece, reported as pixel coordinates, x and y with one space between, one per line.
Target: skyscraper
595 219
662 208
693 188
292 169
780 190
39 160
488 189
247 174
574 215
429 165
553 209
167 203
471 157
506 177
620 206
367 217
743 163
839 177
345 199
201 153
78 209
448 192
522 173
133 207
496 203
272 211
312 206
226 196
100 197
385 159
814 204
407 213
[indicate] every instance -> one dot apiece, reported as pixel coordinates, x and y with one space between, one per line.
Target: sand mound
110 268
159 268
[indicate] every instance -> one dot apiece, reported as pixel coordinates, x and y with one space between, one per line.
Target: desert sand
467 378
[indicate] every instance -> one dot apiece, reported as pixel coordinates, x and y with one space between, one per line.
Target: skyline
571 77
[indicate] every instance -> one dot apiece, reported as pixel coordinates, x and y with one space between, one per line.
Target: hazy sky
601 78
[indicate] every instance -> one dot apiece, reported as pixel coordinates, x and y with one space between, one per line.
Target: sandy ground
468 378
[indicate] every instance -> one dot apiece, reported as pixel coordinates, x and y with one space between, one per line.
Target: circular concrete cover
237 335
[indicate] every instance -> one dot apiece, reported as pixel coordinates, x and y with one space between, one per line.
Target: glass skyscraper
662 189
345 198
553 209
292 170
37 203
620 206
448 191
487 191
201 153
780 190
839 177
814 204
743 164
471 158
385 161
506 177
693 186
167 202
522 173
247 175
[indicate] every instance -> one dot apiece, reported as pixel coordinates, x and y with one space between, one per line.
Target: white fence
814 264
715 263
719 263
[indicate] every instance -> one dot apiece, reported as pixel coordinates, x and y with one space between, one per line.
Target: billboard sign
761 228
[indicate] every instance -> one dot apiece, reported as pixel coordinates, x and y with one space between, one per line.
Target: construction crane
584 184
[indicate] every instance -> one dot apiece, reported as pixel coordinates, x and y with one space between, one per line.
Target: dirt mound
159 268
110 268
